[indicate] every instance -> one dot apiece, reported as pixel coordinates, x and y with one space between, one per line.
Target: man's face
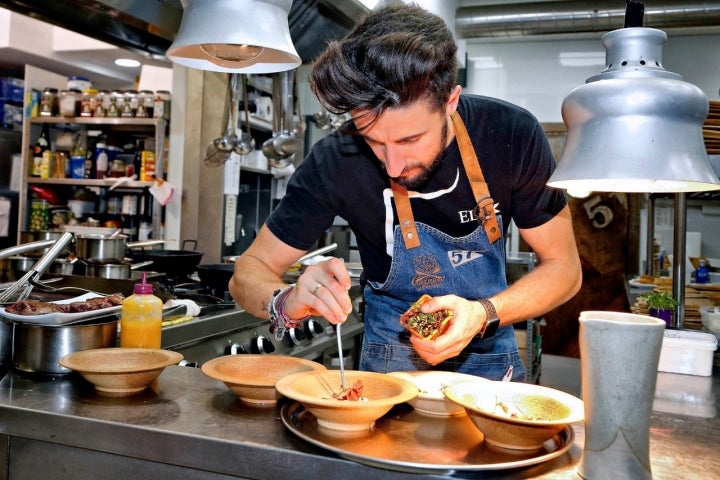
408 141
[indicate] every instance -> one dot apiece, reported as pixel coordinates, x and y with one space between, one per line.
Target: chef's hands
466 322
322 290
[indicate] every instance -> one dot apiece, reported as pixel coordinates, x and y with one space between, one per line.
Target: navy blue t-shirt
342 177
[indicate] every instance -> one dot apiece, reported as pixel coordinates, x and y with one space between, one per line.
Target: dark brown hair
394 57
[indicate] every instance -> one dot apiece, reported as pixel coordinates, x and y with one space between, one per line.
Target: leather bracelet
492 322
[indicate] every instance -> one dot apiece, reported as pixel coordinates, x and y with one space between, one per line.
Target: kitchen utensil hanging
220 149
285 143
245 143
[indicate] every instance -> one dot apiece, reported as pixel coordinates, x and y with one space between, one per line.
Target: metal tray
406 441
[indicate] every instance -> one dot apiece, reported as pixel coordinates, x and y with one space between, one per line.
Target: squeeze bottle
141 318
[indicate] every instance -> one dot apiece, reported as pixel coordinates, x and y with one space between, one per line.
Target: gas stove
232 331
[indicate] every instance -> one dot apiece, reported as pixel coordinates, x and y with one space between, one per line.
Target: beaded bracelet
279 320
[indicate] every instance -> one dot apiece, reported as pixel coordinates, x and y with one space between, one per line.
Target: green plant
660 300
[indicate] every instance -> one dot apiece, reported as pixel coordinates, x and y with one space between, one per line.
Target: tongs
24 285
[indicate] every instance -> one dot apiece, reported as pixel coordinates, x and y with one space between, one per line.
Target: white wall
539 74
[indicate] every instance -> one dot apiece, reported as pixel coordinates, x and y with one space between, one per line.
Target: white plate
431 385
635 283
57 318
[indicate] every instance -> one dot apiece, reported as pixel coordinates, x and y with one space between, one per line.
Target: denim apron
426 260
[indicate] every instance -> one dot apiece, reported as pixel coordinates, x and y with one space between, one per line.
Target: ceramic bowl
253 377
120 371
516 416
315 391
431 399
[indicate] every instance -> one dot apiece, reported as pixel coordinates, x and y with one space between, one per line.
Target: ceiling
143 29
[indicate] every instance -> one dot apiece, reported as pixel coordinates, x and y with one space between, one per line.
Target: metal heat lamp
242 36
636 127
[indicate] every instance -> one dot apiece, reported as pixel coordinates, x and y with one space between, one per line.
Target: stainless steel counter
188 426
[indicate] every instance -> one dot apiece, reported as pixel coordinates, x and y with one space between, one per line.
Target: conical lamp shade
247 36
635 127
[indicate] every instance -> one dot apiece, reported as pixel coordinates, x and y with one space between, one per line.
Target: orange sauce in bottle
141 318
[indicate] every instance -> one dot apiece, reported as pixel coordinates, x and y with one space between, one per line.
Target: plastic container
687 352
141 318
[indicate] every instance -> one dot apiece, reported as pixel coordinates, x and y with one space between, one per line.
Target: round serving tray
408 442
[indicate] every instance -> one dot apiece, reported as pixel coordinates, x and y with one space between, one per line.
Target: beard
420 179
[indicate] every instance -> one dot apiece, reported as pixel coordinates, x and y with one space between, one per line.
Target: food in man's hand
426 325
36 307
351 393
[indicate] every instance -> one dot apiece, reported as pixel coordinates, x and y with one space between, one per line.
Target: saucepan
112 270
103 247
39 348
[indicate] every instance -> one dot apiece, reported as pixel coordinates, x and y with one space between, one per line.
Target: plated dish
635 282
57 318
405 441
431 383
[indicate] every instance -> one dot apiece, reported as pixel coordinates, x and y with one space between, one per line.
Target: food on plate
36 307
425 325
352 393
516 412
646 279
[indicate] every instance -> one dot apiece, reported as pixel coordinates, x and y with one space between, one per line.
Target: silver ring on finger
314 291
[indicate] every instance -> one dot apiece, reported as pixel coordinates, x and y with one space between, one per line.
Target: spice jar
88 102
130 103
161 108
146 101
116 103
69 102
49 102
102 103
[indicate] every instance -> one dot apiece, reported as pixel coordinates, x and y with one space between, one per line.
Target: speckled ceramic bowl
120 371
315 391
253 377
516 416
431 399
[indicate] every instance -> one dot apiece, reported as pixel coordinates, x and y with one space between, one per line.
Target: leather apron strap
485 210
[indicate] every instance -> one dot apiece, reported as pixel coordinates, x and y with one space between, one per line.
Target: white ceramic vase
619 358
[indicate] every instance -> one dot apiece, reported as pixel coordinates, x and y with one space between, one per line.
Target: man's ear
453 100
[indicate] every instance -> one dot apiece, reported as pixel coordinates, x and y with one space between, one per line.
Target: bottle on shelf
101 160
701 273
141 318
137 159
41 145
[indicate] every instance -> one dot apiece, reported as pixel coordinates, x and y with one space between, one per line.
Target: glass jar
161 108
146 101
69 102
116 103
102 103
88 102
39 216
49 102
130 104
117 168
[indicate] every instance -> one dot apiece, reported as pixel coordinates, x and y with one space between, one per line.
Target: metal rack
527 333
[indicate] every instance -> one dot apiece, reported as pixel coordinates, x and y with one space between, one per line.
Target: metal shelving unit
529 336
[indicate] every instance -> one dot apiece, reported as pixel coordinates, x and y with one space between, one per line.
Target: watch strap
493 321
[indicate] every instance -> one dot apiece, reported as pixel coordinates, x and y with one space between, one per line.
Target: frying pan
215 276
180 263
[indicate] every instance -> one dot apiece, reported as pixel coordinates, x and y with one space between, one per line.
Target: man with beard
428 180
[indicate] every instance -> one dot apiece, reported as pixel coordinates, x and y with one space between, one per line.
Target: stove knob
235 349
313 328
296 336
262 344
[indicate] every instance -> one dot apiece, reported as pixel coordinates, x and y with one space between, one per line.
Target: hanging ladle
245 143
220 149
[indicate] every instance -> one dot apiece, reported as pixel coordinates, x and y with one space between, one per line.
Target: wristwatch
492 322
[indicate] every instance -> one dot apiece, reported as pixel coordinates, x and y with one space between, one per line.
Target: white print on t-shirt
387 197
